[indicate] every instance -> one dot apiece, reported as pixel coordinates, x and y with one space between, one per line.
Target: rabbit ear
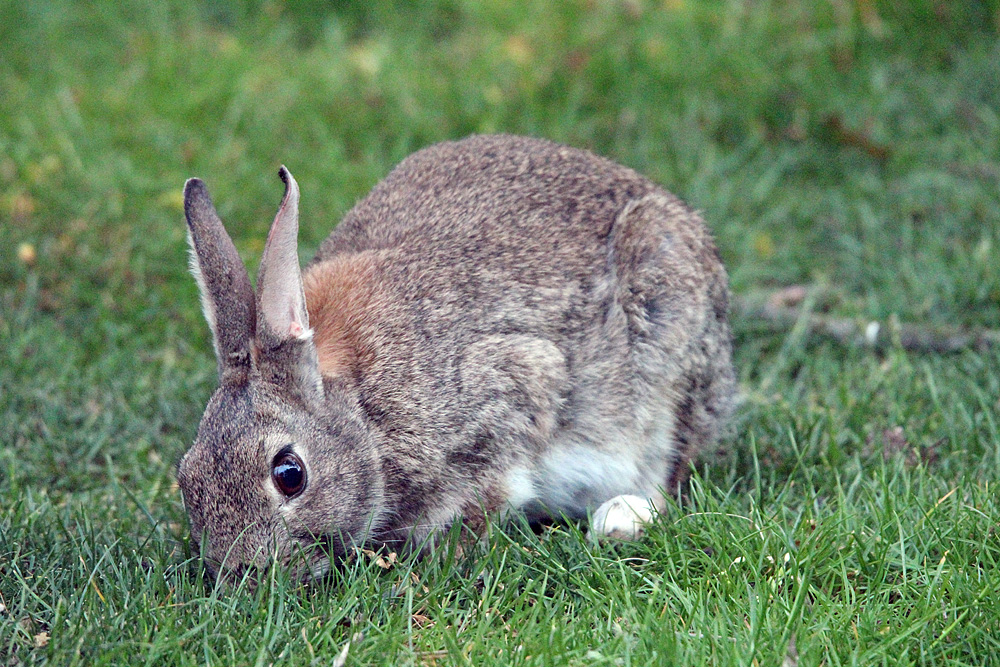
226 295
281 305
281 299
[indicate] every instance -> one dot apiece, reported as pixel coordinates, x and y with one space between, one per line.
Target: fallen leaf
41 640
26 254
422 621
384 563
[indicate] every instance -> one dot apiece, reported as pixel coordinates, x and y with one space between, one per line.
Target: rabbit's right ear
226 295
282 313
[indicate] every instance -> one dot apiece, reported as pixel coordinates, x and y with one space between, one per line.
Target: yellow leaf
26 253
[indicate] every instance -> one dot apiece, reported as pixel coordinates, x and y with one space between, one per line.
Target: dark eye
289 474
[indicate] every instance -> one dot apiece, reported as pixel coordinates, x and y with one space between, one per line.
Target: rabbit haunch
503 322
574 476
577 477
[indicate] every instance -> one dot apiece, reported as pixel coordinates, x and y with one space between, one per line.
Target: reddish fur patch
338 294
487 503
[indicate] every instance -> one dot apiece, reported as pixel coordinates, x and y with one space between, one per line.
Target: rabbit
503 323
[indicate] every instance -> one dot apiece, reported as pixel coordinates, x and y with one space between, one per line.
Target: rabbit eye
289 474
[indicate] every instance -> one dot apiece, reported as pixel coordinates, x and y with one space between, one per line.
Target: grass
853 145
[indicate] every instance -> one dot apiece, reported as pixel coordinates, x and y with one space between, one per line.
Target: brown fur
338 293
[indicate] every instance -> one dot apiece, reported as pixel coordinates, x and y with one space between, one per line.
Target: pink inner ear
294 325
295 328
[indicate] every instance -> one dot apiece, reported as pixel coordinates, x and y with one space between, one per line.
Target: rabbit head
281 463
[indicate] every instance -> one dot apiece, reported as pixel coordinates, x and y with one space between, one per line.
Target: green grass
852 145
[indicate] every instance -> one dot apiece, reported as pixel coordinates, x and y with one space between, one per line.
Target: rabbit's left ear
281 301
226 295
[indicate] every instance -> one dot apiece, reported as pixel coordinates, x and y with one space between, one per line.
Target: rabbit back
529 325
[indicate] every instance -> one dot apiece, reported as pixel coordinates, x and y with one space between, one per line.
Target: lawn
846 154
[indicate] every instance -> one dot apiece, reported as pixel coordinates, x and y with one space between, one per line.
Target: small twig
868 333
860 139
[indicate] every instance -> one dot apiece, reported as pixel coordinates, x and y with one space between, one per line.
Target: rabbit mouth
314 570
234 577
304 568
305 559
311 558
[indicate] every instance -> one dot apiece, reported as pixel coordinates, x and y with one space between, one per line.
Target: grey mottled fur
519 297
